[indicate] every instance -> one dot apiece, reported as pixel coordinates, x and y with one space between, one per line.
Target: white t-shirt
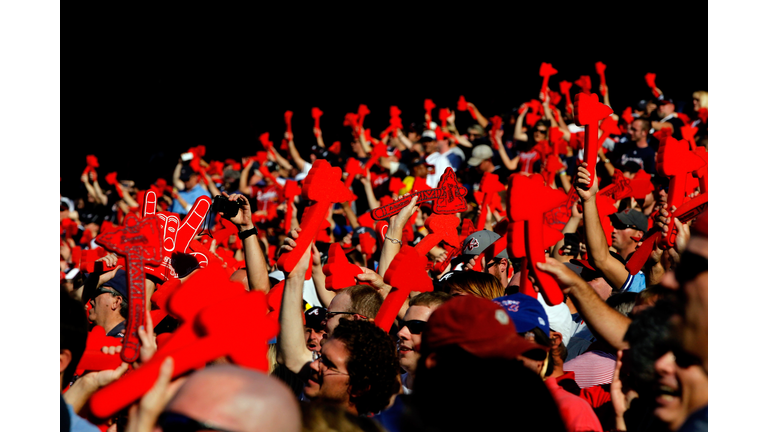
440 162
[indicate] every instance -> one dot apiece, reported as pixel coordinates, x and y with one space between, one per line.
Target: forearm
176 174
404 139
291 348
320 141
79 393
480 119
566 183
350 215
372 201
211 185
255 264
283 162
296 156
603 320
318 277
462 141
389 249
519 135
244 188
597 247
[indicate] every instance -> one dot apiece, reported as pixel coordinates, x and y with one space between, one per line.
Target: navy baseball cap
119 283
315 317
526 312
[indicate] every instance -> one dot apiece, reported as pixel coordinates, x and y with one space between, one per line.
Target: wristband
393 240
247 233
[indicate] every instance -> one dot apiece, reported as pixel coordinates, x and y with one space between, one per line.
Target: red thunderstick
138 242
565 89
529 200
589 111
600 68
316 114
448 197
546 70
323 186
428 107
489 185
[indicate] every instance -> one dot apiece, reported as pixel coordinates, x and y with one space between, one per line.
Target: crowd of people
470 348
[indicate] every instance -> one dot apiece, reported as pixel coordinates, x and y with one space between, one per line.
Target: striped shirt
592 368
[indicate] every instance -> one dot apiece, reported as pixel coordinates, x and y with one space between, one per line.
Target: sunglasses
414 326
691 265
175 422
102 290
540 131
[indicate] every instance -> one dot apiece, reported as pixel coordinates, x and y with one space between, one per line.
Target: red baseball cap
480 327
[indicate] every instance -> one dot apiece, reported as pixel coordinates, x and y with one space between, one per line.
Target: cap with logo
479 241
526 312
630 218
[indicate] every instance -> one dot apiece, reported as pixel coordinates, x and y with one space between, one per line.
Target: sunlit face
540 133
341 303
621 239
329 379
665 110
101 305
408 343
695 327
675 390
636 132
314 338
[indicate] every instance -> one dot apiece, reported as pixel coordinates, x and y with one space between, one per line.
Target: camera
222 204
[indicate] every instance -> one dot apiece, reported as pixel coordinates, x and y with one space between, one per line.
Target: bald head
230 397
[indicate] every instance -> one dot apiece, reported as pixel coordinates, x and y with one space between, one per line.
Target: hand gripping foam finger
546 70
489 186
316 114
600 69
378 151
585 83
367 243
565 89
685 213
339 272
537 199
185 303
428 107
443 115
441 228
406 273
138 242
588 112
462 104
322 185
352 168
288 116
95 360
448 198
650 80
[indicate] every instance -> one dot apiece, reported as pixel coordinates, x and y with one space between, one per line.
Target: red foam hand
684 117
139 242
684 213
627 115
70 227
689 134
701 172
352 168
395 184
609 126
316 114
641 185
552 166
93 359
675 160
565 89
588 112
339 272
378 151
531 119
111 178
288 115
428 107
619 189
490 186
443 114
177 236
322 235
554 97
546 70
650 79
367 244
92 161
538 199
448 198
462 105
495 126
197 151
266 143
290 190
335 148
381 229
600 68
585 83
362 111
406 273
558 216
236 327
351 120
216 167
441 228
394 111
322 185
366 220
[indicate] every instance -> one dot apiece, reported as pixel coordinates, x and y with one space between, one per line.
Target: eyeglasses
175 422
329 315
691 265
414 326
329 365
102 290
540 131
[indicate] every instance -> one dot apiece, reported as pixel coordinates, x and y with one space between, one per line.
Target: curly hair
372 365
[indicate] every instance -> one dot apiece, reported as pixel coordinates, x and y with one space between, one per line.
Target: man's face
409 342
695 326
190 182
329 379
486 166
420 170
677 390
498 267
314 338
622 238
636 132
101 306
665 109
430 147
341 303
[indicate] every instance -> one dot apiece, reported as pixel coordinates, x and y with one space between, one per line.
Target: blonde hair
701 95
484 285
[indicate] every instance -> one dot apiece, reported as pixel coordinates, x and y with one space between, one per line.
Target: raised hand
244 216
583 177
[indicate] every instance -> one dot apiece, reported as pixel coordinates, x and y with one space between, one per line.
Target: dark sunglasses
175 422
102 290
691 265
414 326
540 131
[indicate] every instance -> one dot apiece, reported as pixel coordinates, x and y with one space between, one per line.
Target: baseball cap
526 312
186 173
315 317
428 135
631 218
362 229
480 327
479 241
663 99
479 154
560 319
475 129
119 283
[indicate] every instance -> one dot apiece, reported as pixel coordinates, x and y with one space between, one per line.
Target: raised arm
511 164
597 246
177 183
519 135
244 188
603 320
480 119
295 154
570 227
255 264
366 181
209 183
318 277
277 157
404 139
291 349
319 137
390 248
91 191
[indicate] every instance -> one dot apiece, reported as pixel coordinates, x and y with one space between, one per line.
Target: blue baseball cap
119 283
526 312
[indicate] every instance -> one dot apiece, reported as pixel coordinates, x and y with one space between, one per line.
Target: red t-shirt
267 197
576 413
527 159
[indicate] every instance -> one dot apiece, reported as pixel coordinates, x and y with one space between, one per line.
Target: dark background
144 86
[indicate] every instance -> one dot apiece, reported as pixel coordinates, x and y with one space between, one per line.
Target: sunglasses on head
175 422
540 131
414 326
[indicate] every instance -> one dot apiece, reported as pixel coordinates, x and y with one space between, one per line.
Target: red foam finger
316 114
406 273
441 228
588 112
546 70
585 82
428 107
650 80
600 69
462 105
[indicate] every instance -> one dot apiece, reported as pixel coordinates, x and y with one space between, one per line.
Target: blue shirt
634 283
79 424
189 196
